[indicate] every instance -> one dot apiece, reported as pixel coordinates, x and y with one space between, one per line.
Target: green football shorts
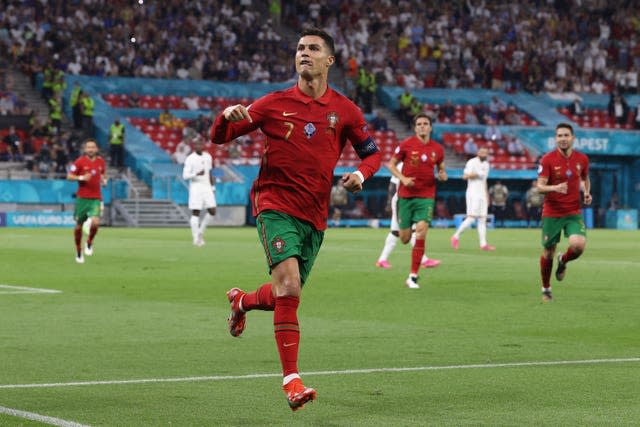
86 208
413 210
284 236
552 228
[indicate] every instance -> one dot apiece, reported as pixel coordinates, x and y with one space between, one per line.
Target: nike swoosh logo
288 345
287 114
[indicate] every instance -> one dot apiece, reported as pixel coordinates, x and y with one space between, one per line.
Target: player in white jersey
197 169
392 237
476 172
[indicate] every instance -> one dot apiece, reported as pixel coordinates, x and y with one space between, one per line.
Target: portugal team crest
333 120
278 244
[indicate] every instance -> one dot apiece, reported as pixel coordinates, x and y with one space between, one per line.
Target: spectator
497 109
448 109
493 133
116 144
636 116
470 147
191 102
405 100
339 200
133 100
379 122
6 105
470 117
87 105
168 120
499 193
512 116
576 108
618 108
44 160
14 145
183 149
515 147
534 200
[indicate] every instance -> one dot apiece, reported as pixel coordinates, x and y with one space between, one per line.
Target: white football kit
476 196
201 192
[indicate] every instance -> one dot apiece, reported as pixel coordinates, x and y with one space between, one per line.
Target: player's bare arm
442 172
558 188
587 191
393 168
235 113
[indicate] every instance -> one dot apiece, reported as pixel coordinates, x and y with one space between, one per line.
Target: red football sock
92 233
570 255
260 299
77 235
546 265
285 323
416 256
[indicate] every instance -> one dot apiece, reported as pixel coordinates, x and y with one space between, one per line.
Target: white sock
286 380
204 222
413 239
482 230
425 258
468 222
194 226
389 244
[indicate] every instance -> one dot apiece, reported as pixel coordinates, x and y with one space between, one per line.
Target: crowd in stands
564 45
584 46
205 39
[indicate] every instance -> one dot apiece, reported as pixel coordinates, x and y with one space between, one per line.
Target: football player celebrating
307 127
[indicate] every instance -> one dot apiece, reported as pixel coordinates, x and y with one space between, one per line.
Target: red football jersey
557 169
418 161
89 189
305 138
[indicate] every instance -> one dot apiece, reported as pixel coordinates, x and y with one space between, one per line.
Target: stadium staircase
22 85
140 210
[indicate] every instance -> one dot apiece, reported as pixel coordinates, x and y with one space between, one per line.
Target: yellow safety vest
116 134
88 106
73 98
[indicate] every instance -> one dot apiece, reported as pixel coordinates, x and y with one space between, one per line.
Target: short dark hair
328 40
565 126
420 116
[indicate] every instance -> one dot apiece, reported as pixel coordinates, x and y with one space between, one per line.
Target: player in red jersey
307 127
561 175
420 155
90 172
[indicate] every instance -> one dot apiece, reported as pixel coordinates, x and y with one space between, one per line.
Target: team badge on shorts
309 130
278 244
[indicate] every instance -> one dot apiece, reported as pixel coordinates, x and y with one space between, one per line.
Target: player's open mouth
306 62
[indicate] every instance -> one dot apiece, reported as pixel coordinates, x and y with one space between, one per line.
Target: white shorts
477 206
394 213
201 199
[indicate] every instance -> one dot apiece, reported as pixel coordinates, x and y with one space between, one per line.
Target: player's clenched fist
236 113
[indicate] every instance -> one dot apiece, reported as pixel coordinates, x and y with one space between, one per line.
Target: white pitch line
40 418
343 372
26 290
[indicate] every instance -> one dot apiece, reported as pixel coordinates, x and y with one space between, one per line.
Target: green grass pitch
150 306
